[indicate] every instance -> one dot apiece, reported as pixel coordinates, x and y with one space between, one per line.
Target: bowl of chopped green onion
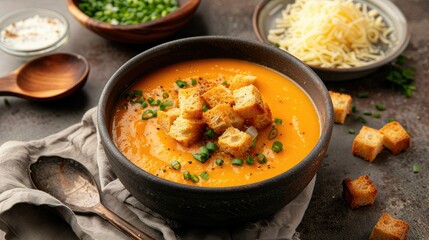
133 21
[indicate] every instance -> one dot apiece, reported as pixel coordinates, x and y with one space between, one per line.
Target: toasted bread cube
389 228
186 131
218 95
248 102
359 192
239 80
396 139
368 143
166 119
235 142
205 84
342 106
263 120
222 117
191 104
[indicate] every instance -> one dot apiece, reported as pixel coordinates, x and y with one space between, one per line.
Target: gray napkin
27 213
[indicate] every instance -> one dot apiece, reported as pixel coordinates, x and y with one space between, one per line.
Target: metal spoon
46 78
70 182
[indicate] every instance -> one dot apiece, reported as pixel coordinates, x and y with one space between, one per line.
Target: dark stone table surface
402 193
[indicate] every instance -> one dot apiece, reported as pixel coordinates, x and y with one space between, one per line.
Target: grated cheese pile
332 33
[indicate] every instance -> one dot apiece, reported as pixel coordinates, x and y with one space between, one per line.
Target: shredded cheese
332 33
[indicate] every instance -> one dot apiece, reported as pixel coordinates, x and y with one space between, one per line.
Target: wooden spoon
47 78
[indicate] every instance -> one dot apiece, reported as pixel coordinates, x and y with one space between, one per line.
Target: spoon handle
120 223
8 84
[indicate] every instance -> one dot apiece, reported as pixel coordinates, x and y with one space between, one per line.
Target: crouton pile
223 107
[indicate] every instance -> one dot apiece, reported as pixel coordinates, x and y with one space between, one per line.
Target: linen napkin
27 213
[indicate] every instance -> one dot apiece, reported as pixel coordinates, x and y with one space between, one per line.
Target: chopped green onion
181 84
144 104
139 100
390 119
278 121
155 102
237 162
193 81
277 45
376 115
261 158
225 83
205 108
210 133
204 175
165 95
211 146
354 108
273 133
363 95
200 158
195 178
219 161
175 165
416 168
351 131
250 160
150 100
277 147
361 119
368 113
131 94
342 90
380 107
148 114
204 152
165 104
186 175
138 92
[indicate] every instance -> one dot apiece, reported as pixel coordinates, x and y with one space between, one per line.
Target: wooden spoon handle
8 85
120 223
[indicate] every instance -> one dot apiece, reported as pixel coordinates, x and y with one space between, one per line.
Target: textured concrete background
402 193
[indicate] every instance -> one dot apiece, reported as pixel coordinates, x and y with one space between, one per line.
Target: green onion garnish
144 104
211 146
219 161
131 94
165 95
368 113
273 133
361 119
150 100
261 158
195 178
351 131
200 158
138 92
204 152
186 175
204 175
278 121
277 147
237 162
210 133
354 108
165 104
225 83
390 119
205 108
193 81
380 107
175 165
155 102
250 160
139 100
148 114
181 84
342 90
416 168
363 95
376 115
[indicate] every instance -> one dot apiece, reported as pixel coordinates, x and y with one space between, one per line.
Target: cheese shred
332 33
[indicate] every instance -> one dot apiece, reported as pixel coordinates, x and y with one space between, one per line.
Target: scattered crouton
368 143
186 131
248 102
396 139
235 142
342 106
389 228
166 119
359 192
190 102
239 80
263 120
205 84
222 117
218 95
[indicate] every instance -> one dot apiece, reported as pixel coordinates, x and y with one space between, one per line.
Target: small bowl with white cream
33 32
339 39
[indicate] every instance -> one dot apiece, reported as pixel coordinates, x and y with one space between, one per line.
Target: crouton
368 143
359 192
166 119
342 106
190 103
186 131
222 117
389 228
208 83
263 120
248 102
218 95
235 142
239 80
396 139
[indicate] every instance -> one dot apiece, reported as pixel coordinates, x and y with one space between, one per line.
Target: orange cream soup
145 144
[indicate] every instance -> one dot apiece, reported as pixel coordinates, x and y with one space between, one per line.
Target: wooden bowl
138 33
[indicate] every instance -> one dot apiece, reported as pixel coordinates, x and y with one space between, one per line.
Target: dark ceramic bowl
138 33
215 206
